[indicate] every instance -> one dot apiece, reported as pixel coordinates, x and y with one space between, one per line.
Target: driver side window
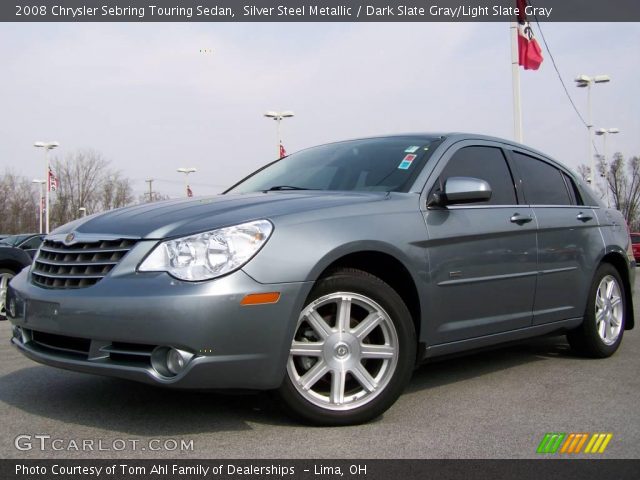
485 163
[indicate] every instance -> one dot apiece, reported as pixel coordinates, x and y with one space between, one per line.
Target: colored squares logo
574 443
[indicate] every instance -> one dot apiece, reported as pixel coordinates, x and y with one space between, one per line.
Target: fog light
175 361
169 361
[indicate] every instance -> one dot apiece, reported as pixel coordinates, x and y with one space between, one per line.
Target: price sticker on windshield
406 162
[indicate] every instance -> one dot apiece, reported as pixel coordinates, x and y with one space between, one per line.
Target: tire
5 275
602 329
341 373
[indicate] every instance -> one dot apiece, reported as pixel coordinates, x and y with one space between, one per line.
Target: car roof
458 136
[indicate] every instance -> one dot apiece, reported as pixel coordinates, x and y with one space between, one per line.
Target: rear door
569 240
482 256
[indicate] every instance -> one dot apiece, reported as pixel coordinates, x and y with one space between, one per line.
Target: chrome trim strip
490 278
64 276
88 237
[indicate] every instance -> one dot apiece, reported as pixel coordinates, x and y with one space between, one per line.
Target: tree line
619 187
85 180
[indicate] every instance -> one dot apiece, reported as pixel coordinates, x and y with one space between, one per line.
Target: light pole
47 146
604 133
40 198
584 81
186 171
278 117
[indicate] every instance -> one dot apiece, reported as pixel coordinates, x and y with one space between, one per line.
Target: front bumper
112 327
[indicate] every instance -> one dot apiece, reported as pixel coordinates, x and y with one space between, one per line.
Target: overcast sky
146 97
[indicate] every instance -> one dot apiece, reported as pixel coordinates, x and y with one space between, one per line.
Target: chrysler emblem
69 238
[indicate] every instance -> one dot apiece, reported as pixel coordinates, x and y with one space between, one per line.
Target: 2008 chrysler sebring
328 275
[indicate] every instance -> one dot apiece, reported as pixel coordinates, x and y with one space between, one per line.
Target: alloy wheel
4 285
609 310
344 351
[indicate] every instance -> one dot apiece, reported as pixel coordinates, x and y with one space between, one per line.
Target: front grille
132 354
129 353
61 343
79 265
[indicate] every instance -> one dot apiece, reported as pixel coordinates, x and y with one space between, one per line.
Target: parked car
635 243
12 260
29 242
328 275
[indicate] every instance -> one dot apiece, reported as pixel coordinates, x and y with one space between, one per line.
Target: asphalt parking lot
495 404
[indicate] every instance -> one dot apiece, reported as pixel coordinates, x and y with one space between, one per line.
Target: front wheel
353 351
5 276
601 331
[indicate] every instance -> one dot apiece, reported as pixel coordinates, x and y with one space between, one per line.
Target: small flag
189 191
53 181
529 52
283 152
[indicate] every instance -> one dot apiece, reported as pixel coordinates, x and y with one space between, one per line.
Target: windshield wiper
285 187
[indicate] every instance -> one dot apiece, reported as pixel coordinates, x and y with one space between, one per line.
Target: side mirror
459 190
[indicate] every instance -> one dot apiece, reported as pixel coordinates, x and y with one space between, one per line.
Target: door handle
520 219
584 217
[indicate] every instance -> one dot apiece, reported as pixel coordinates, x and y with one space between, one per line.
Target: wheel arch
12 265
390 270
619 262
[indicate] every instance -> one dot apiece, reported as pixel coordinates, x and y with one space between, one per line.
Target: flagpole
515 82
47 189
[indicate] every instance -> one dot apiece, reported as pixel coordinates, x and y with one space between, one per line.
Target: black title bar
327 469
315 10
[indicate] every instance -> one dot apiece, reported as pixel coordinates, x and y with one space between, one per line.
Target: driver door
482 256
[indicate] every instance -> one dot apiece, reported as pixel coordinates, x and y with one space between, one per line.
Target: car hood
172 218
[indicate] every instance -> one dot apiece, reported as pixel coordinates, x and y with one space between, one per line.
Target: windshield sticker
412 149
406 162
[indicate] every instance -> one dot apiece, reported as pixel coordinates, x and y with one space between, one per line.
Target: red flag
189 191
283 152
53 182
529 52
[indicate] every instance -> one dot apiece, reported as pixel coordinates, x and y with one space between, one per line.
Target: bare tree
622 185
116 192
585 173
85 180
18 205
80 177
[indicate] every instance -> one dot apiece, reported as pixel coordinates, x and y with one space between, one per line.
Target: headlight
210 254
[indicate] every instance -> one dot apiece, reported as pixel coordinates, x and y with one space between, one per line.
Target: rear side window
635 238
574 193
485 163
543 183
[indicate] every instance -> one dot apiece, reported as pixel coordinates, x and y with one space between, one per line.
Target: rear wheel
5 276
601 332
353 351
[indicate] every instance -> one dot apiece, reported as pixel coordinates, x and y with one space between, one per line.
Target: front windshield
14 240
378 164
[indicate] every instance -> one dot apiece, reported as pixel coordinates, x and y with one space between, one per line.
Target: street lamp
40 198
47 146
584 81
186 172
604 133
278 117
